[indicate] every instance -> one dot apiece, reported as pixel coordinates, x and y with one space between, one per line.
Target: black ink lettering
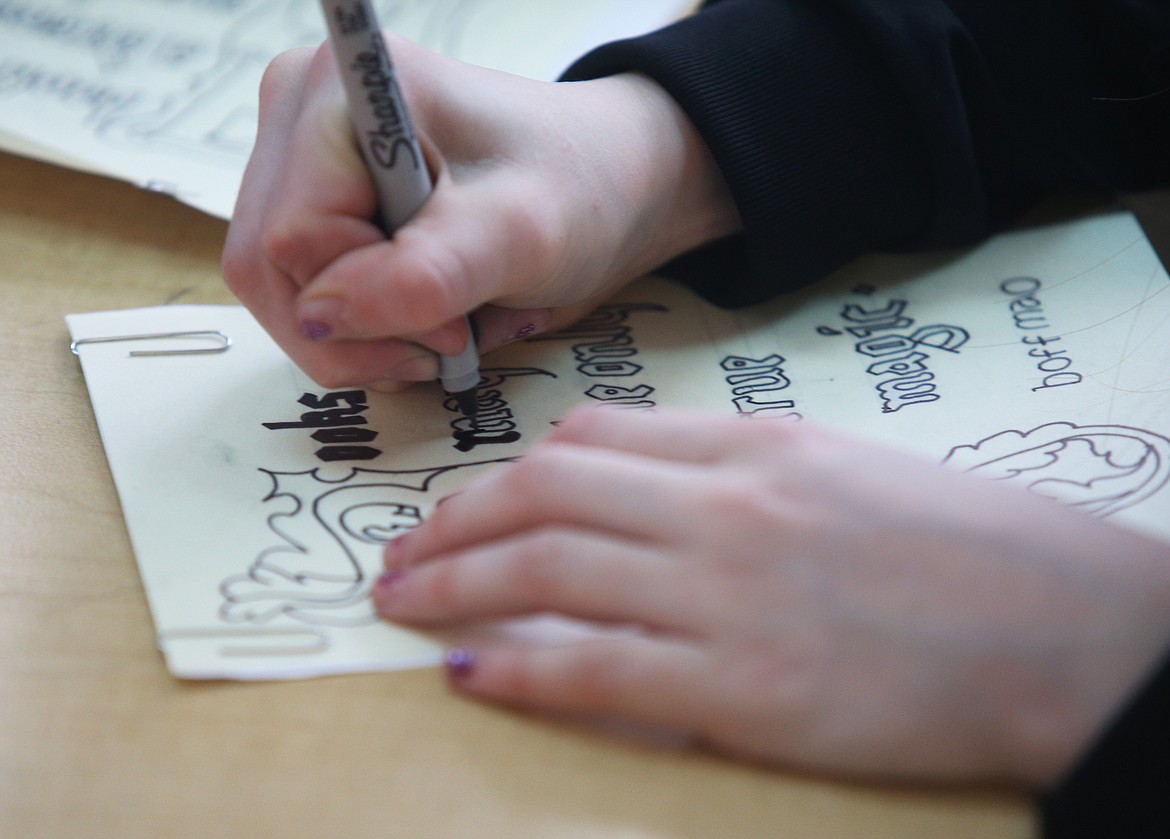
323 419
1028 315
900 358
336 426
911 390
602 340
335 454
353 398
756 385
344 434
623 397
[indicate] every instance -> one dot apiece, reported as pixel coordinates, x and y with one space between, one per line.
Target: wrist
670 194
1076 685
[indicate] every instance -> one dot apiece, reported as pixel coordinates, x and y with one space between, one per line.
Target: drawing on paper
331 532
204 63
1098 469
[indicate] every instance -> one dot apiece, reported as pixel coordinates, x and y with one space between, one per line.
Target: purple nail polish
460 663
526 332
315 330
391 580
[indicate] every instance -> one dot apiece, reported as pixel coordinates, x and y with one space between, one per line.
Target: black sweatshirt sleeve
1122 787
845 126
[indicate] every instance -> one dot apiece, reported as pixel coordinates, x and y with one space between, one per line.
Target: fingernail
535 320
524 332
315 330
459 663
390 582
321 318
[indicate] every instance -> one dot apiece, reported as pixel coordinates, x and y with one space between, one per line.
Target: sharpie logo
393 136
353 21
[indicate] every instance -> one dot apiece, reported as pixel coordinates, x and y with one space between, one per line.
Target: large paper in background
1041 358
162 93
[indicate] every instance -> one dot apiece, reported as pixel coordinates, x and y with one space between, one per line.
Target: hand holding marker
390 149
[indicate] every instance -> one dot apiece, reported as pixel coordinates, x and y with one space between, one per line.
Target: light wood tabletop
98 740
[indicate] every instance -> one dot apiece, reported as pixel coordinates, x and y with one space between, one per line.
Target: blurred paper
258 503
162 93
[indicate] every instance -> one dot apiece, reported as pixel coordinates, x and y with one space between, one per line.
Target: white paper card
258 502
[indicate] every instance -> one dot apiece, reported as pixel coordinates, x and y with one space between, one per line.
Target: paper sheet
258 502
162 93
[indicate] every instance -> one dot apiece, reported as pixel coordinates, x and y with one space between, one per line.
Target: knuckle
277 74
529 228
239 267
283 241
739 501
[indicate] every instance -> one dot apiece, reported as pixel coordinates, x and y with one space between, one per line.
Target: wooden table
98 740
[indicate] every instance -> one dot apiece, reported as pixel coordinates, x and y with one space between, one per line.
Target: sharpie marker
391 150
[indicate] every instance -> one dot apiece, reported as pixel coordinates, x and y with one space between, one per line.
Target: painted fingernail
459 663
320 318
535 321
390 581
315 330
525 332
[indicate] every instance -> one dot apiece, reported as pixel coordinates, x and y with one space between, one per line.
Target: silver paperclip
285 640
222 338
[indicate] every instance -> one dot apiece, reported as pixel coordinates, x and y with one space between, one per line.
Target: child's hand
547 198
806 598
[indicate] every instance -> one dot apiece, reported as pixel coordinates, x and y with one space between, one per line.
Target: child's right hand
548 197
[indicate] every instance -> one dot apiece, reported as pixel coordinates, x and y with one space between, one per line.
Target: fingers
304 200
685 437
649 680
280 103
470 243
551 569
245 265
558 485
322 201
